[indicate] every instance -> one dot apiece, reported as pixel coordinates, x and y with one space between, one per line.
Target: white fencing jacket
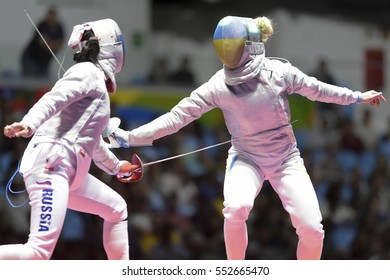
76 110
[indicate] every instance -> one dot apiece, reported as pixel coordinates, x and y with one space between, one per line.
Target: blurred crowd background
175 211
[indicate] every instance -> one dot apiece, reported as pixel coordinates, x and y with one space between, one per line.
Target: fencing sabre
138 172
185 154
129 178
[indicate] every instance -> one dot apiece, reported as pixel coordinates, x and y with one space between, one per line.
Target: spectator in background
366 129
183 75
322 73
36 57
158 74
350 140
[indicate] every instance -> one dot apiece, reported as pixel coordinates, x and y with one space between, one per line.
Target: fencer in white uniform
66 125
251 91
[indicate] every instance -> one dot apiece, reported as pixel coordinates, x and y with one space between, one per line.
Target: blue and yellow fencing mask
235 38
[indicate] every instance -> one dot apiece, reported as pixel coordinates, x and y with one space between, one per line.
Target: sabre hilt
136 174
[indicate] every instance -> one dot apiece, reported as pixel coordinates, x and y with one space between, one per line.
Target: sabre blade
185 154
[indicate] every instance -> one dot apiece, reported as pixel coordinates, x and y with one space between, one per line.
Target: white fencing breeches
243 182
50 195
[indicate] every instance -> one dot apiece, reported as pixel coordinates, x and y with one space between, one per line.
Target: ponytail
266 28
90 50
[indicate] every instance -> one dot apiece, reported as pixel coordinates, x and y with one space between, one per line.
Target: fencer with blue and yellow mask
237 42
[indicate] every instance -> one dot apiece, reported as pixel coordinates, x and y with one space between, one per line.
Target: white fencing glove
115 135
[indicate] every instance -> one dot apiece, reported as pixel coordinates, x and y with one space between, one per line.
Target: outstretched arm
298 82
187 110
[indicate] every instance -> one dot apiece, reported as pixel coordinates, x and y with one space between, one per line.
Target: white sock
116 240
236 239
